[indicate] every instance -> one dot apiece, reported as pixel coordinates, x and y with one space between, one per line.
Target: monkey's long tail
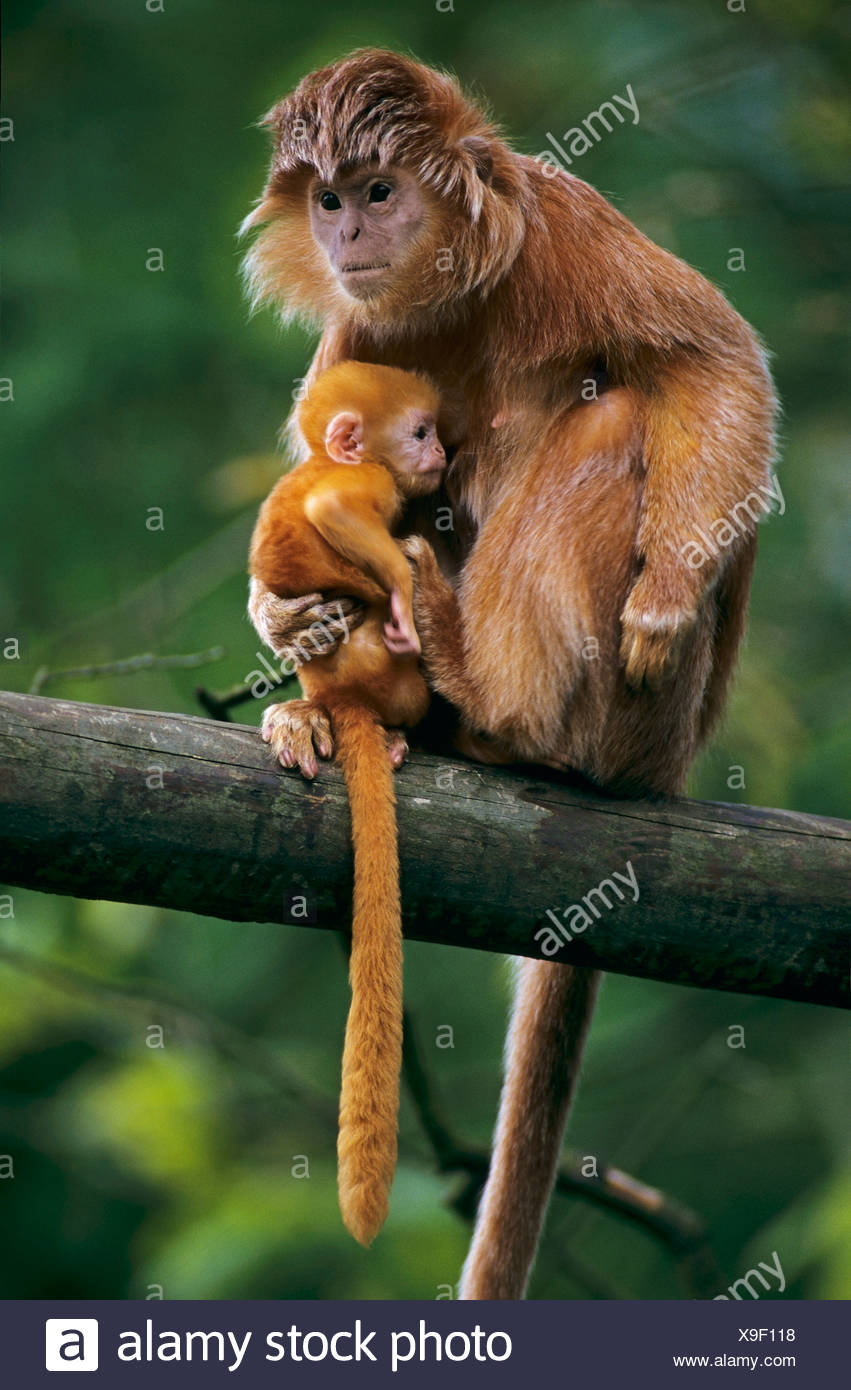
372 1055
552 1010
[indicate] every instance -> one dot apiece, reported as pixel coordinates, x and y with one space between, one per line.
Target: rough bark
730 897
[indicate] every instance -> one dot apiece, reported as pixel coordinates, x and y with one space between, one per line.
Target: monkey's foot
297 731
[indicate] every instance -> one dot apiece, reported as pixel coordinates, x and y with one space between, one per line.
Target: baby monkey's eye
421 432
329 201
379 193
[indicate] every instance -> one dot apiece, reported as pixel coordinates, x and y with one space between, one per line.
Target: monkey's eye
329 201
379 193
421 432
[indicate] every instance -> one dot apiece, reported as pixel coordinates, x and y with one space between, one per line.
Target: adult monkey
611 409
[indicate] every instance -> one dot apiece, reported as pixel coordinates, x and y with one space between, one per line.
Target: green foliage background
173 1167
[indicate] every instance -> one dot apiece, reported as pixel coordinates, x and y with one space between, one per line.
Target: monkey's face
369 223
415 453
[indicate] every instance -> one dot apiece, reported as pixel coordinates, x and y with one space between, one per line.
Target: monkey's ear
344 437
479 148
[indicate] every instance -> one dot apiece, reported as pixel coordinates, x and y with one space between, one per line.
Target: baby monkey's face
416 453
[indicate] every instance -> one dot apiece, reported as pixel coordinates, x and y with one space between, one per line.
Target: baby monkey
372 435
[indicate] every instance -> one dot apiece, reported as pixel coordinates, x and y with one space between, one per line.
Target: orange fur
561 619
372 1054
327 526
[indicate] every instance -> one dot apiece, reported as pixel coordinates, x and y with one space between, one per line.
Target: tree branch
182 812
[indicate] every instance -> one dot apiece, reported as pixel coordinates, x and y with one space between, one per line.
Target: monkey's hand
400 635
441 631
435 602
297 731
292 626
652 636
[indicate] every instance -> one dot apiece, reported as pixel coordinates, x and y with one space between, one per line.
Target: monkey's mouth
366 265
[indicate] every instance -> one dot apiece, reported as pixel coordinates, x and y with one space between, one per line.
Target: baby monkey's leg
300 730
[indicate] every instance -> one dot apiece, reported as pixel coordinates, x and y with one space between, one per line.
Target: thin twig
217 706
678 1228
128 666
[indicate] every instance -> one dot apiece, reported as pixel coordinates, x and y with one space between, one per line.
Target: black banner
580 1344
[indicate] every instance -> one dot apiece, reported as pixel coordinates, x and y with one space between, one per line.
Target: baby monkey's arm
355 523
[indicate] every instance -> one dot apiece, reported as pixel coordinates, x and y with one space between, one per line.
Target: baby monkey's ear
344 437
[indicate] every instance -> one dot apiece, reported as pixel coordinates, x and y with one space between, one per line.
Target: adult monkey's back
611 408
